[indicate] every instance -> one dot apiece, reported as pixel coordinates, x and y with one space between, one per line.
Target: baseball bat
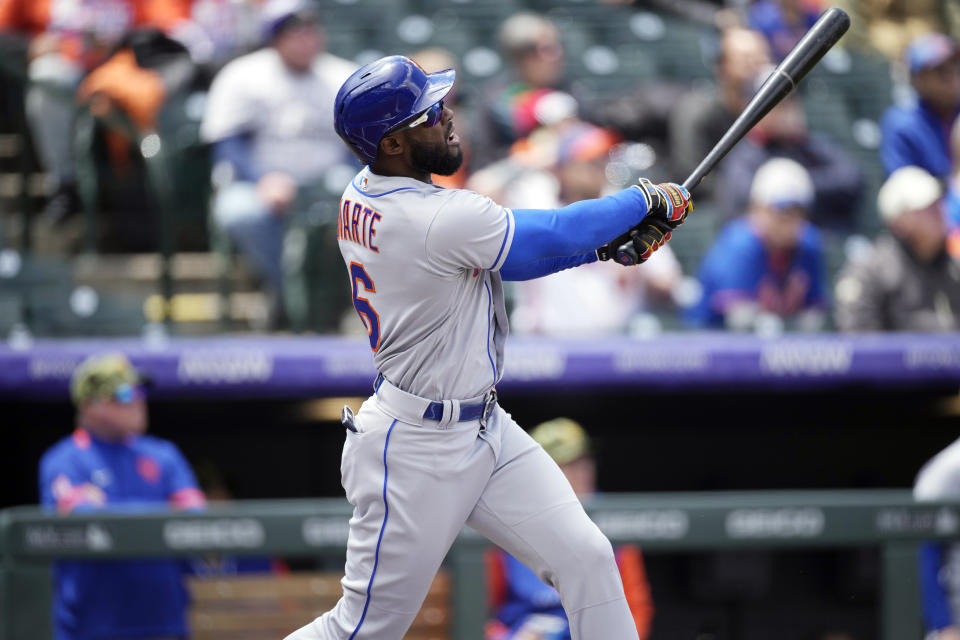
805 54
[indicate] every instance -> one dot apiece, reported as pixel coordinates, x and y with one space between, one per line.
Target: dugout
684 413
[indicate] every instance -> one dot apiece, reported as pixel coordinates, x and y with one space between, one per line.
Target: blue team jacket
915 136
141 598
738 267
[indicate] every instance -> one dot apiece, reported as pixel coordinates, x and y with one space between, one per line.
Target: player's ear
391 145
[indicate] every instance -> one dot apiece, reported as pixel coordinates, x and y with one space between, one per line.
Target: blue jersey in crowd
739 268
140 598
915 136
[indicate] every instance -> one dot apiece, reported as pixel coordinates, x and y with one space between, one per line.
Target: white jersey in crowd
423 264
289 114
939 479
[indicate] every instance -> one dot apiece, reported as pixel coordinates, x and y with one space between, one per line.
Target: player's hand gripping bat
825 33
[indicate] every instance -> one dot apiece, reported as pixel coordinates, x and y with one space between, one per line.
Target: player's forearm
575 229
546 266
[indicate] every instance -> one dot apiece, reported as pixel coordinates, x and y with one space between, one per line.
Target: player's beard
439 158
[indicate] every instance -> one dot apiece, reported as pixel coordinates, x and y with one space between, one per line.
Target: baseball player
432 450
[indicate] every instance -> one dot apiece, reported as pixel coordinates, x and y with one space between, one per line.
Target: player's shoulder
157 447
384 189
333 69
66 450
811 239
257 62
900 116
738 234
63 447
465 200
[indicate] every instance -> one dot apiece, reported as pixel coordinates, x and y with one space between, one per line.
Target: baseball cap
907 189
930 50
582 142
99 376
276 15
781 183
562 438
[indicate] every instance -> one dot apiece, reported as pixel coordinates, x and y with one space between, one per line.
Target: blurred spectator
888 26
109 464
952 200
783 133
917 134
68 40
526 608
908 282
507 109
566 163
701 118
526 171
435 59
225 29
268 116
783 22
939 563
768 265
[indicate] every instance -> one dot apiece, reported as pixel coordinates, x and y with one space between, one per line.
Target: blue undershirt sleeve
573 230
236 151
936 607
545 267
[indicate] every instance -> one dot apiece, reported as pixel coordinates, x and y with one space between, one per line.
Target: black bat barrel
829 28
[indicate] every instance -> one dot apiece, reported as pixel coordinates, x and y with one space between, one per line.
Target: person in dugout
109 464
524 608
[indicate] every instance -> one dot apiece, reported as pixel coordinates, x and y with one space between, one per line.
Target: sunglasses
128 393
430 118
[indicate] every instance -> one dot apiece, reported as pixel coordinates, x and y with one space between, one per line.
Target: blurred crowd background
171 166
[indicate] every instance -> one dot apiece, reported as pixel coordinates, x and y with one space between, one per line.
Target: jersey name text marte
358 224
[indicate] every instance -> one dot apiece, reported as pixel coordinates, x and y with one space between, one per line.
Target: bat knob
627 254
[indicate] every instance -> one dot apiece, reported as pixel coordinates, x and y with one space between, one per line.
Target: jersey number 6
370 318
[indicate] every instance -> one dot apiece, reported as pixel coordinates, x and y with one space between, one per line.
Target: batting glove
638 244
668 204
668 201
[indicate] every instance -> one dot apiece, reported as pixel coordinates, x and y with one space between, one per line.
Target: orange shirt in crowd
89 26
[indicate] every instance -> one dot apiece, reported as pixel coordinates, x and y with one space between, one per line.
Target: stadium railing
30 539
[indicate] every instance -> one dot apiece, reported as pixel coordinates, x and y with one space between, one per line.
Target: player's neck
391 167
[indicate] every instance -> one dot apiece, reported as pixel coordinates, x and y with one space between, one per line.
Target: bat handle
693 180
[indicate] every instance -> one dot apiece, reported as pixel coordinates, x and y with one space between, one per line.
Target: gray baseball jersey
422 262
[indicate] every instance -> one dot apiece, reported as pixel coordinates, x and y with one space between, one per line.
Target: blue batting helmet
381 95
